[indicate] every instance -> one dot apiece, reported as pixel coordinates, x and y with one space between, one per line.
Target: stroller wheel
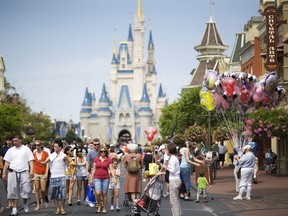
126 204
157 214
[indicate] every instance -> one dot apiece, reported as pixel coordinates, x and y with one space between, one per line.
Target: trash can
205 169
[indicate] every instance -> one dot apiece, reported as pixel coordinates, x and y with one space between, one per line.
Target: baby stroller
150 200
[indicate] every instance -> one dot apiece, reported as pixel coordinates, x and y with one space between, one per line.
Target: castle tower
132 104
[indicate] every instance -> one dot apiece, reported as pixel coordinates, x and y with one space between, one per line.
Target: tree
186 112
70 136
11 122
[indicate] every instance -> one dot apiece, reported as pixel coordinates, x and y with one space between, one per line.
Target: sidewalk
269 196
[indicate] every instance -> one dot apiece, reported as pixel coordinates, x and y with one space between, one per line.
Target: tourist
174 179
114 187
40 173
81 175
70 172
133 181
100 174
19 162
58 163
246 163
222 152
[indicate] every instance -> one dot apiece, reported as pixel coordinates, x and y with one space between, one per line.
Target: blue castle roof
145 97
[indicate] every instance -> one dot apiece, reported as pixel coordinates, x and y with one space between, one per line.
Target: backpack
133 165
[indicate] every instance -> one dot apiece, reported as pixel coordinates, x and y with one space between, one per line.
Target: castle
134 100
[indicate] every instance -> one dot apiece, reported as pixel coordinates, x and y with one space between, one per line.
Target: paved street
269 196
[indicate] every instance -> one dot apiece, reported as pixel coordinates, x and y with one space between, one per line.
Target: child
202 185
114 187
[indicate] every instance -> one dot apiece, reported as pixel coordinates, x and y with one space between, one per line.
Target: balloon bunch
150 133
240 90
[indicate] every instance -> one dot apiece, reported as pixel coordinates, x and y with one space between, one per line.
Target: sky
54 49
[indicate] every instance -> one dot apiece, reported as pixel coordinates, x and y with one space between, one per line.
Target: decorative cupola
211 51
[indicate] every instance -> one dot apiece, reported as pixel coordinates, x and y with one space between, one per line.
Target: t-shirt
57 164
202 182
91 157
102 168
222 149
19 158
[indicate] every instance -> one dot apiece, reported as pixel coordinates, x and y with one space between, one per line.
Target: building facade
134 100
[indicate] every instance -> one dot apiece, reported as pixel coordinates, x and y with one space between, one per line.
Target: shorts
81 178
58 188
101 185
114 186
68 177
18 183
38 177
221 157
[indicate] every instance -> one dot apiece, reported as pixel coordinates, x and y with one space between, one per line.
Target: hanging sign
271 39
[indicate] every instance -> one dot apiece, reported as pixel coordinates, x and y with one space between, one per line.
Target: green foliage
179 140
267 123
70 136
11 121
16 116
196 134
221 134
187 111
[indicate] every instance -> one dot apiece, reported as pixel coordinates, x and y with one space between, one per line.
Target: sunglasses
102 151
37 144
96 144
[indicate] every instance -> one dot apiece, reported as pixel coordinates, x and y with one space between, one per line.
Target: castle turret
104 114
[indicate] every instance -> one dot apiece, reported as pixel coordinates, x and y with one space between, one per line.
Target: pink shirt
102 168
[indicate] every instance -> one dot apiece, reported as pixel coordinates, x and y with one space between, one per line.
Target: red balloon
229 84
150 137
244 95
150 133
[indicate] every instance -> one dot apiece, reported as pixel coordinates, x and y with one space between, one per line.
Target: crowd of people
55 171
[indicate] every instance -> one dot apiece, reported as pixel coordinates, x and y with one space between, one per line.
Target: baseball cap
246 147
162 147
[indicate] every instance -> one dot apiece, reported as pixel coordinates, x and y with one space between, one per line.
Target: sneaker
181 196
14 212
118 209
248 198
112 208
238 198
78 202
196 201
26 208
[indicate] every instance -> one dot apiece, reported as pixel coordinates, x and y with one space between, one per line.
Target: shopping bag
153 169
90 197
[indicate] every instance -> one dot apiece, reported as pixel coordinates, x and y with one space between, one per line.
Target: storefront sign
271 39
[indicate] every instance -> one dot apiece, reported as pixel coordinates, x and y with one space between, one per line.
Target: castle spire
212 2
130 36
114 56
104 96
145 97
150 44
139 10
